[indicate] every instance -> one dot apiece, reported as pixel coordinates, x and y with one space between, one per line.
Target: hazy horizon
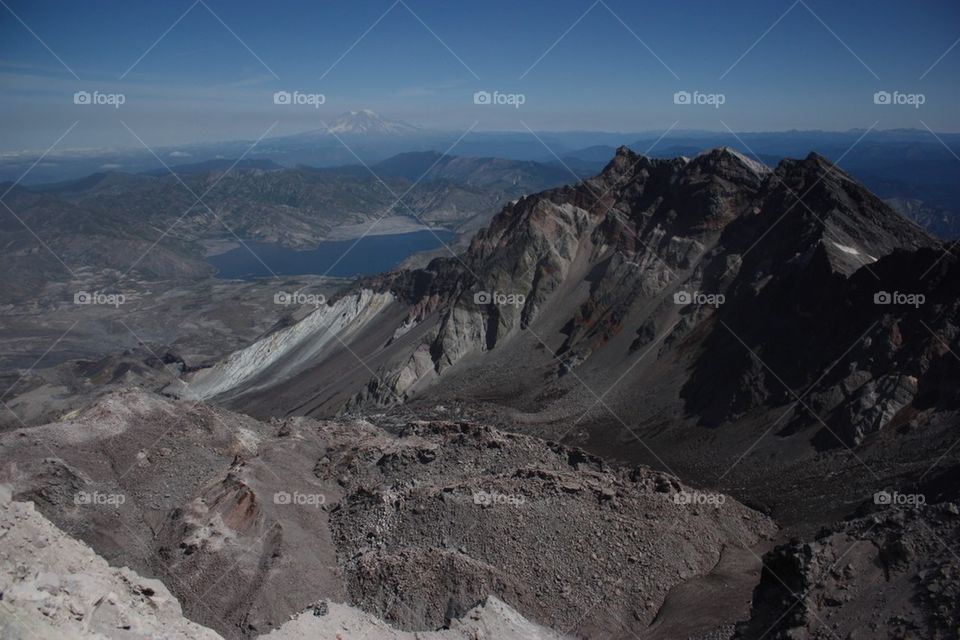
629 136
207 71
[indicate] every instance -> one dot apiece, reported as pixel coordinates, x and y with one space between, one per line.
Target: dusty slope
249 523
58 354
198 510
457 510
55 587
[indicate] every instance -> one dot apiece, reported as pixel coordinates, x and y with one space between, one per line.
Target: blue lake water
372 254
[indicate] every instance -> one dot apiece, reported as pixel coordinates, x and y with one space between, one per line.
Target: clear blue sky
201 83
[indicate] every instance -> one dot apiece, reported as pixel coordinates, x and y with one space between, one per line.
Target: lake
371 255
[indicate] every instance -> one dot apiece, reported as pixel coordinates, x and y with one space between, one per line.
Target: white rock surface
55 587
292 348
490 620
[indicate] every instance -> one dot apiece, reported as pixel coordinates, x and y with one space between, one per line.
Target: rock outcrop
887 575
55 587
249 523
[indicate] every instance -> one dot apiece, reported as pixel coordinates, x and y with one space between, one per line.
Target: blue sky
210 80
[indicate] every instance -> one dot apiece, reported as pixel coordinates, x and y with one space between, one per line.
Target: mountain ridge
629 172
800 250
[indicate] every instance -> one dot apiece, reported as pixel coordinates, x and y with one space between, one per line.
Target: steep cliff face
589 252
708 267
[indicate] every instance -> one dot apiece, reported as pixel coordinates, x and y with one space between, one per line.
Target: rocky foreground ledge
428 529
250 523
54 587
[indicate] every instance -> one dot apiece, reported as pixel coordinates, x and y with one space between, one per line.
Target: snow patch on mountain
853 251
757 167
367 122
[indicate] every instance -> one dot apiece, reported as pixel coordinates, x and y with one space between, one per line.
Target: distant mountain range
367 123
111 220
260 199
900 165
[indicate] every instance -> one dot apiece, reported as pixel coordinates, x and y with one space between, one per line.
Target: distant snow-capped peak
367 122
